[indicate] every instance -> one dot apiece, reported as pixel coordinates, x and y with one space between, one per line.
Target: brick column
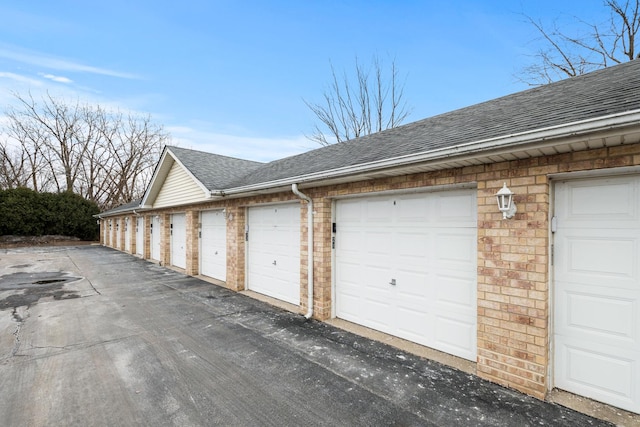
193 243
101 228
146 226
322 238
112 233
513 294
236 220
123 226
165 239
304 257
132 232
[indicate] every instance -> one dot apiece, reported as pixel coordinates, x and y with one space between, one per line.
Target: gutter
294 188
546 135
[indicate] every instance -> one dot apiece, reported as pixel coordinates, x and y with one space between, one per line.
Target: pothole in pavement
28 288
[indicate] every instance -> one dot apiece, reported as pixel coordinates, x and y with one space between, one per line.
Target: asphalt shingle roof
123 208
600 93
213 170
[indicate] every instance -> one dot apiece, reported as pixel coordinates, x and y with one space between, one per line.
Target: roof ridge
174 147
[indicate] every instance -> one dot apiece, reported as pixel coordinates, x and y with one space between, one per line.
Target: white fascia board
540 137
154 178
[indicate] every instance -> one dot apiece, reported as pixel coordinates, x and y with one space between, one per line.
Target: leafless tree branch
370 102
597 46
54 145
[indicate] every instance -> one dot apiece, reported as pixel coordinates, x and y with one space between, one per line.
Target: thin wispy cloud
57 79
20 78
53 63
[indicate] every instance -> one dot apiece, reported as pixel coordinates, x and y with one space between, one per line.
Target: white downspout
294 188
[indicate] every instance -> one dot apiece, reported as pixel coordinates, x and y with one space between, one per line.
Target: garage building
400 231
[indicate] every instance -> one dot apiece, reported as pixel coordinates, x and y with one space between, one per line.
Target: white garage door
127 235
118 238
213 244
273 251
597 289
139 236
406 265
179 240
155 238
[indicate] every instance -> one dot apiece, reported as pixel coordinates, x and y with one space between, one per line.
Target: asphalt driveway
92 336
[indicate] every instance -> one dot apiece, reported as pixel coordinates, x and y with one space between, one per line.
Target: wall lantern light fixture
506 205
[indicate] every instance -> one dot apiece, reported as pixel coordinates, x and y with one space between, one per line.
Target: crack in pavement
68 348
20 320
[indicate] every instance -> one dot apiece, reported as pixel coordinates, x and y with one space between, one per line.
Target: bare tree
595 46
14 168
351 108
60 146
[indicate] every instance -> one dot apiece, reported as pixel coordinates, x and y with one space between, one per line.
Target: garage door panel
414 325
604 375
418 251
616 200
351 212
413 246
377 243
458 248
414 288
617 315
455 336
456 208
597 290
350 272
412 208
599 257
378 210
455 293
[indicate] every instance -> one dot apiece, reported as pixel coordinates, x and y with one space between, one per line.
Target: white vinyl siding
178 188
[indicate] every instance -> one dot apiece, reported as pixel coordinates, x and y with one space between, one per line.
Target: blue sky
230 77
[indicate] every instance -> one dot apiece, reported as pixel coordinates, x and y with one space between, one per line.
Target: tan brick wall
513 255
322 255
112 232
122 236
165 238
513 303
193 243
147 237
235 247
132 234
